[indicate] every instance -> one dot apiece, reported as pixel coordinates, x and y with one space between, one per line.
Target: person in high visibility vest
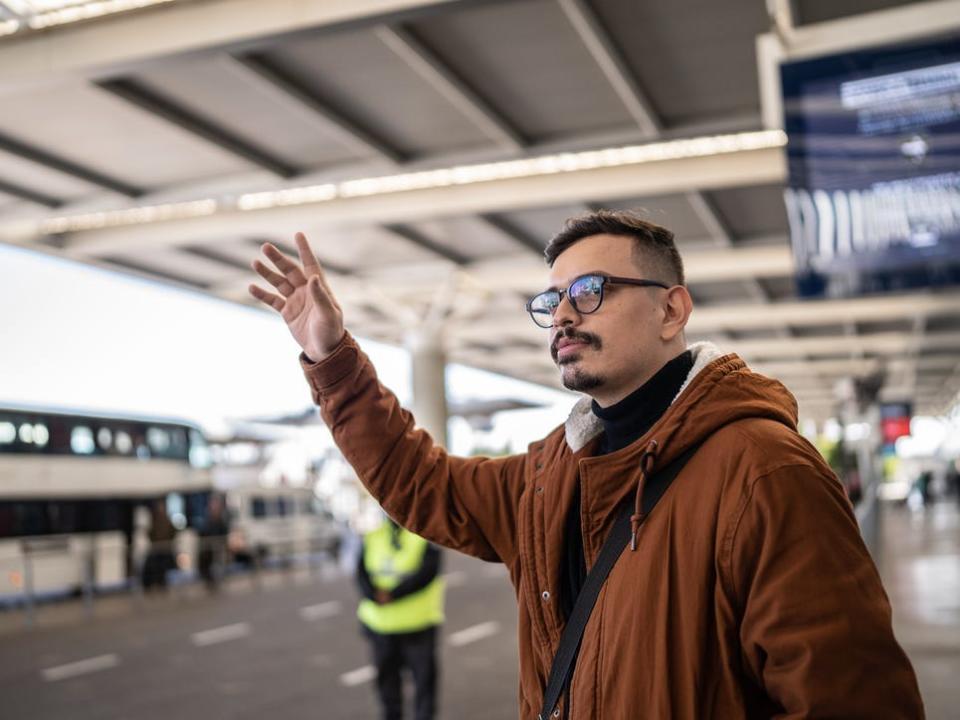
402 607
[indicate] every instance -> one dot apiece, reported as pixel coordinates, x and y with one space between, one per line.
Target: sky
79 337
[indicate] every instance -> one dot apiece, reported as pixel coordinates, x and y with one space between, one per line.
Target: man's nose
565 314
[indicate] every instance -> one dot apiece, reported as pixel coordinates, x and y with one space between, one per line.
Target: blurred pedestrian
213 534
160 557
401 611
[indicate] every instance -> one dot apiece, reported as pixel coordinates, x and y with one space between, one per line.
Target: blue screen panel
873 194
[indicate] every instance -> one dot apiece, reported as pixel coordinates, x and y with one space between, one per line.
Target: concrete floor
919 559
288 645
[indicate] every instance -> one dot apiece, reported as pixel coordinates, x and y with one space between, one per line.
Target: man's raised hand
305 301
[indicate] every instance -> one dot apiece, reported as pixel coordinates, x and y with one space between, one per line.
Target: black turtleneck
623 423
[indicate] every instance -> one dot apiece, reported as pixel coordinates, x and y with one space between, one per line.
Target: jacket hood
720 389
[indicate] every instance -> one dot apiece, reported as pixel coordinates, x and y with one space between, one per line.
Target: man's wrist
323 355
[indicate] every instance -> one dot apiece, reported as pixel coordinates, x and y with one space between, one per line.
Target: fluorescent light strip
129 216
511 169
40 15
429 179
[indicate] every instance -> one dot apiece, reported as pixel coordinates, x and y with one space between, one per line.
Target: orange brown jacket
750 593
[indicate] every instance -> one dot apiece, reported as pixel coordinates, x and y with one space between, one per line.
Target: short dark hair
654 244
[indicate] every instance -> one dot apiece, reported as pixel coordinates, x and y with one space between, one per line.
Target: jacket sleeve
468 504
816 629
425 574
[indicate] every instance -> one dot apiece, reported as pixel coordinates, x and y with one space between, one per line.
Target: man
213 534
401 609
746 593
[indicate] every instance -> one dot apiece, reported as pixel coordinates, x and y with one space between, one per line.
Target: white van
279 522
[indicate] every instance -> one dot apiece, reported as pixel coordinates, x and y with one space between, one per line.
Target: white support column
428 365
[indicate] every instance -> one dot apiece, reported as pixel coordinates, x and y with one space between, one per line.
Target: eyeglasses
585 294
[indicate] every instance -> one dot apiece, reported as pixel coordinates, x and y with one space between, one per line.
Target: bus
73 486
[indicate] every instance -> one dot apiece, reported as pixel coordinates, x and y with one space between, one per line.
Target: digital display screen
873 195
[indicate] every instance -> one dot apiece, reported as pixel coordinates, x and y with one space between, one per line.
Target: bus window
81 440
159 441
123 443
200 456
104 438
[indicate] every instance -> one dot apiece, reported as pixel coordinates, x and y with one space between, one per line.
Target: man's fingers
287 266
309 261
280 282
268 298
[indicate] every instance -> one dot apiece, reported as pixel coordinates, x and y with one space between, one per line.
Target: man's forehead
606 254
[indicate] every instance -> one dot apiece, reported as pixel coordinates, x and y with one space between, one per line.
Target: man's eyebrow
553 288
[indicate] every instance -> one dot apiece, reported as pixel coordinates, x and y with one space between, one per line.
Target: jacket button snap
540 490
556 713
545 595
539 466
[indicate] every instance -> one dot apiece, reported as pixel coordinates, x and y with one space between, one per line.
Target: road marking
359 676
220 634
457 578
80 667
474 633
320 611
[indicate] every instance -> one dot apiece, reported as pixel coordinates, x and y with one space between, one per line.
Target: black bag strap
618 539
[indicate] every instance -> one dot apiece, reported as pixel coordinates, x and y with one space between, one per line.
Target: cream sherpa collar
582 425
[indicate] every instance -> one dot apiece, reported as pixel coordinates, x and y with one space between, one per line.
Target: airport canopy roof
430 149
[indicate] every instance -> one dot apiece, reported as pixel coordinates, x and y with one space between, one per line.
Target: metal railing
285 554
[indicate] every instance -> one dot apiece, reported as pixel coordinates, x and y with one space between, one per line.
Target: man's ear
677 306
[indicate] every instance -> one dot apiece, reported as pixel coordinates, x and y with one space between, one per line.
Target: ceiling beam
454 89
614 66
210 253
513 231
24 193
731 169
103 49
146 99
290 92
419 239
145 270
889 343
67 167
846 366
806 313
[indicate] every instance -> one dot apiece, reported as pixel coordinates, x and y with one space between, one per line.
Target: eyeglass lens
584 293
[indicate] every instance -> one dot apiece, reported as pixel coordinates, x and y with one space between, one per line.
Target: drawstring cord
646 466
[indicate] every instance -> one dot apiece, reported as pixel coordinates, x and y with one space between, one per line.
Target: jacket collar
582 425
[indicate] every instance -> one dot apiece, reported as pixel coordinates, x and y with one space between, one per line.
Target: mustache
569 333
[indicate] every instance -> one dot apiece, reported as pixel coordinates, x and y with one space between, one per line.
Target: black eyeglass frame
604 280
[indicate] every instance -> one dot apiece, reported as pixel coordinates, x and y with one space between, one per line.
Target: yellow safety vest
387 566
